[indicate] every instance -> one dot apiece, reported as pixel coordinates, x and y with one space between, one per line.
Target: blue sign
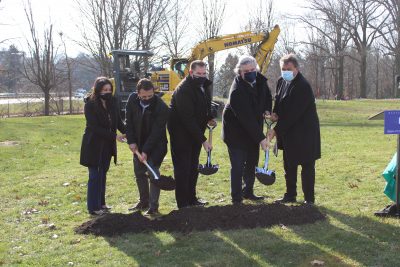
392 121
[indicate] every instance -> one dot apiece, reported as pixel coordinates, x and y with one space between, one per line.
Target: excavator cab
128 69
180 66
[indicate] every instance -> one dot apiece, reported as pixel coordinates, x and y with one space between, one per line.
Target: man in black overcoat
243 118
189 116
297 129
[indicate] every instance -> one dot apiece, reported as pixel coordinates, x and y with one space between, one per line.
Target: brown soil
202 219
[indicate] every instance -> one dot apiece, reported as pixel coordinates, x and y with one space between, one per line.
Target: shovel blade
208 169
266 177
166 183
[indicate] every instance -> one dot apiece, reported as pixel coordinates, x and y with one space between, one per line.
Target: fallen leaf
158 253
43 202
77 241
317 263
352 185
45 220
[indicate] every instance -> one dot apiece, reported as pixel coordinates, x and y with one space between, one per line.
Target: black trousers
243 163
307 179
185 157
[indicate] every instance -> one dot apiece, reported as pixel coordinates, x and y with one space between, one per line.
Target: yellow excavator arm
167 80
263 54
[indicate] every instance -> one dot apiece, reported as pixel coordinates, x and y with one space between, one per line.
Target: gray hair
289 58
246 60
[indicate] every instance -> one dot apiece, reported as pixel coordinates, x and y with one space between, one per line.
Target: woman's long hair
99 83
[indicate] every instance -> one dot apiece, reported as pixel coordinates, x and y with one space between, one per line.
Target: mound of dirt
202 219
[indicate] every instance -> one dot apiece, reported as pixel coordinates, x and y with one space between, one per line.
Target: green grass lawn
42 173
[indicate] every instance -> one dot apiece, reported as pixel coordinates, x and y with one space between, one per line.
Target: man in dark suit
297 129
190 114
146 120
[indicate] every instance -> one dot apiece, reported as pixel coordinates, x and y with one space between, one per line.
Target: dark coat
100 131
148 130
242 118
298 124
190 111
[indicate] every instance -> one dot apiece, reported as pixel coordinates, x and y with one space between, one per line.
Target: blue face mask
287 75
250 77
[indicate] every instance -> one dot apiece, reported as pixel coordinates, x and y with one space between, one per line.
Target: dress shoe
199 203
105 207
308 202
237 202
152 212
286 199
139 206
252 197
96 212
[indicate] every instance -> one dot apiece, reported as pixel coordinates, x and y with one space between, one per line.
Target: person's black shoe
252 197
199 203
309 202
96 212
139 206
237 202
286 199
152 212
106 208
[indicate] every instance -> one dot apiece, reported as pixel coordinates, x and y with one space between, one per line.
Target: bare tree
148 19
261 18
40 66
213 12
108 26
366 18
69 72
327 18
175 28
391 31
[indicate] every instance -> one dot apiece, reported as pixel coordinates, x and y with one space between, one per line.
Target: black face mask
106 96
199 80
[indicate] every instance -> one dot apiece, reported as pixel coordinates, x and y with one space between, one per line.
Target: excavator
127 70
166 80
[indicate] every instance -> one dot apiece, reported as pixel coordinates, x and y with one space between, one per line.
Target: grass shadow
360 238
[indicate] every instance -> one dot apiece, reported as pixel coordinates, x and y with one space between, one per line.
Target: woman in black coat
243 118
98 143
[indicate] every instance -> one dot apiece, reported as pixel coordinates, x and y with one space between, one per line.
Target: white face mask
287 75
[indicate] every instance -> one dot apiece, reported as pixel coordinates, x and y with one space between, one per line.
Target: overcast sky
65 18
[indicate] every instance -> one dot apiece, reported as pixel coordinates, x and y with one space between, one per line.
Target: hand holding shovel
209 168
263 175
163 182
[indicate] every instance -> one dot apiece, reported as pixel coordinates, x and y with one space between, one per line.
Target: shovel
208 168
265 176
163 182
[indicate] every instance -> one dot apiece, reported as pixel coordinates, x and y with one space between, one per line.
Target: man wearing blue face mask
297 129
243 117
